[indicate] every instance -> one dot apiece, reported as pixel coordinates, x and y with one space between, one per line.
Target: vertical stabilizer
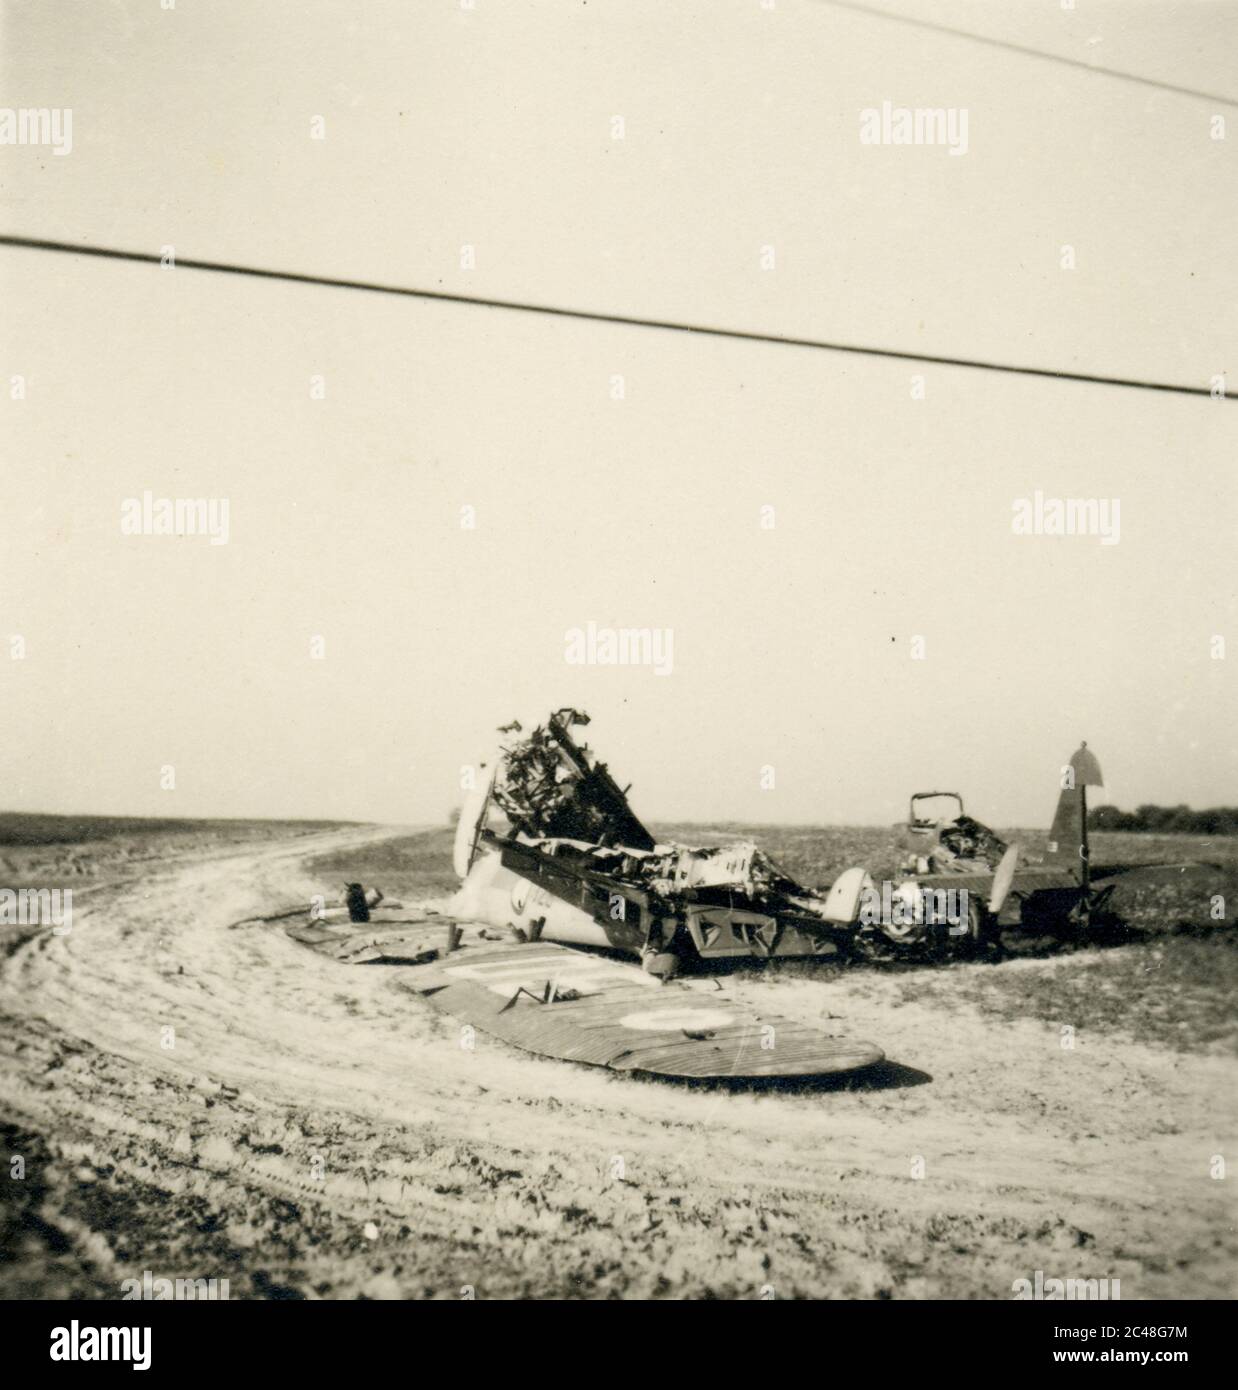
1068 836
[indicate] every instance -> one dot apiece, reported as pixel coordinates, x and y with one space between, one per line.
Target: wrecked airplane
576 865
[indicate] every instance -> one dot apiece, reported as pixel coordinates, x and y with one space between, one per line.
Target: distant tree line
1166 820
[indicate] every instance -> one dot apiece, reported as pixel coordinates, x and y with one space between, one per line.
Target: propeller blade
1002 879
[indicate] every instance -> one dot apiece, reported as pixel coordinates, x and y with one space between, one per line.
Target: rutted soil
308 1129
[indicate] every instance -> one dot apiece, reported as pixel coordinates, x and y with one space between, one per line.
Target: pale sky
492 128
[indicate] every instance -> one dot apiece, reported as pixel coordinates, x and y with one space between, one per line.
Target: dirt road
198 1101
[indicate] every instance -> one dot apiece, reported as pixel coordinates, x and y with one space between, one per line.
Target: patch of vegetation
1171 990
1173 820
26 829
405 866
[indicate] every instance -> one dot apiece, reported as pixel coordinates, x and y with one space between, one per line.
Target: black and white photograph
617 638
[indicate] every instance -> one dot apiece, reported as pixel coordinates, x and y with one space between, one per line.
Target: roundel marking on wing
690 1019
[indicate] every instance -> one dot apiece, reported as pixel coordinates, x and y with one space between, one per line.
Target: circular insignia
687 1020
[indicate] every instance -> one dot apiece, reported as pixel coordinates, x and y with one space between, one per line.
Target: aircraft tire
664 965
982 929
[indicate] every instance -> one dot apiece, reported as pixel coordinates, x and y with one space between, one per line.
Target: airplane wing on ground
556 1002
1005 894
1150 872
1027 880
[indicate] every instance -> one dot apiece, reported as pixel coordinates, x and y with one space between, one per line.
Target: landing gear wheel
983 933
664 959
664 965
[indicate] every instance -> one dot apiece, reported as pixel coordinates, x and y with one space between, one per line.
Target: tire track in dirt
315 1130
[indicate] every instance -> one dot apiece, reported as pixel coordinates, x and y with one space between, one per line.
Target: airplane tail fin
1068 836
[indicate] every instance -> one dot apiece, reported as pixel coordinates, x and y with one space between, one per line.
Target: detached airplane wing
556 1002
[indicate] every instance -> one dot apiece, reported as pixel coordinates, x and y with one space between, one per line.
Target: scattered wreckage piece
555 1002
358 904
390 943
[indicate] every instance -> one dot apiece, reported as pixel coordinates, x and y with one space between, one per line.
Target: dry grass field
199 1100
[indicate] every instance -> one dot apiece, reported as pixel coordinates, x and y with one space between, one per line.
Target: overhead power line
1027 51
596 316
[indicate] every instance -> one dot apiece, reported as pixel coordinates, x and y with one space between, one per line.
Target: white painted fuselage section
497 897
